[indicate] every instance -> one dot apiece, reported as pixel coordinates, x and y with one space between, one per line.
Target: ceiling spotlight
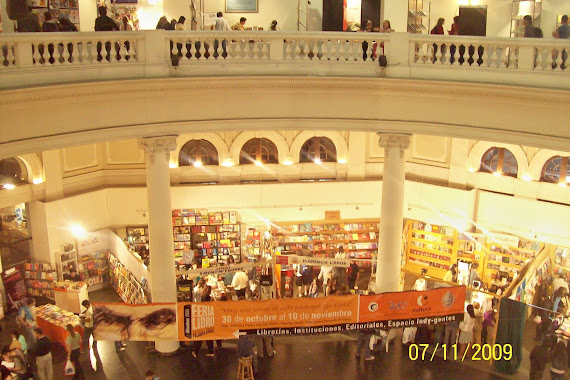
9 186
78 231
197 164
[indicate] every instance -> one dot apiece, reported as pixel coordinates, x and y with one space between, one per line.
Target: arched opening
258 151
198 153
556 170
318 149
499 161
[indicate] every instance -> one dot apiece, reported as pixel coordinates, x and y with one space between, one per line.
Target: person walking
87 317
539 356
27 320
364 340
559 361
466 329
73 344
44 361
220 24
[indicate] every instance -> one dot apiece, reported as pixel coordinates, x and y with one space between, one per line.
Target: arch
549 170
499 160
476 154
336 137
212 138
283 153
259 150
13 171
203 151
34 167
539 160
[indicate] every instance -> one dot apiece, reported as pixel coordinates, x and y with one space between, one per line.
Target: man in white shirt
239 283
188 256
220 24
87 317
340 271
326 274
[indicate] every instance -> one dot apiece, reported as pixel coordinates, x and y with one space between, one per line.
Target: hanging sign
503 239
319 261
241 6
201 272
332 215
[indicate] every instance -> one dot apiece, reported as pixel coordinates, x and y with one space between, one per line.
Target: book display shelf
67 261
40 279
505 262
213 236
138 240
358 237
94 268
252 244
124 283
562 261
432 246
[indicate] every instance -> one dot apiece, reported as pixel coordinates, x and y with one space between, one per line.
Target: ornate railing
37 58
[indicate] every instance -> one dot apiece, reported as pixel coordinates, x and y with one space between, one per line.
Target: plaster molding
128 89
153 146
402 142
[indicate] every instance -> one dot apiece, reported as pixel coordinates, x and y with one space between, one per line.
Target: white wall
284 11
87 15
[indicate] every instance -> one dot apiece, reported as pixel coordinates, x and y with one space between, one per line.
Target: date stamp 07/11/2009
484 352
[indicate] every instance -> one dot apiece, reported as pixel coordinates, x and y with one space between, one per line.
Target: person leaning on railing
104 23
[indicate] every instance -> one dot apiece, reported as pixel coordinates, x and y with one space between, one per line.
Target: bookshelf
507 259
40 279
138 240
359 238
430 245
562 260
418 13
66 261
124 283
252 245
94 268
213 236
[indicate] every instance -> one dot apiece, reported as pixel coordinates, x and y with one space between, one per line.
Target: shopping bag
69 369
409 334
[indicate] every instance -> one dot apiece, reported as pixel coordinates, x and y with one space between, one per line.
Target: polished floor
302 357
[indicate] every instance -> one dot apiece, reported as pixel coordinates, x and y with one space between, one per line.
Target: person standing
220 24
73 344
559 361
438 28
29 23
451 272
18 341
353 275
206 297
188 254
420 284
180 24
27 319
364 340
528 27
340 271
563 32
239 283
88 320
539 356
104 23
43 355
466 329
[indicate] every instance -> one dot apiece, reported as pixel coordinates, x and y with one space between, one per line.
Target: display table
53 320
70 298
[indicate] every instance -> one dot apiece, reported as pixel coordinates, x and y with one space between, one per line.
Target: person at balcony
528 27
563 32
171 25
240 25
125 25
273 27
66 26
162 22
180 23
29 23
50 24
438 28
386 27
104 23
220 24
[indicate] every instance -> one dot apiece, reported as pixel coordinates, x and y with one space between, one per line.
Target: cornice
370 86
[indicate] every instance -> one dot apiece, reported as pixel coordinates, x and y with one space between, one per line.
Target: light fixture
471 170
228 163
317 161
497 174
526 177
258 163
172 165
9 186
287 162
561 184
342 161
197 164
37 181
77 231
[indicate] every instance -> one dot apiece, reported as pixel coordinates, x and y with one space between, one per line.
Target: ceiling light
228 163
497 174
258 163
287 162
172 165
9 186
317 161
197 164
526 177
77 231
471 170
342 161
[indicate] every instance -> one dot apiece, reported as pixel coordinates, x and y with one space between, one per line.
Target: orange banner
225 320
413 307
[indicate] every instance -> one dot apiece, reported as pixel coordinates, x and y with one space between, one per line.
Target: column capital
401 141
158 145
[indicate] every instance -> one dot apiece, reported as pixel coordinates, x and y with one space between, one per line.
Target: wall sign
242 6
332 215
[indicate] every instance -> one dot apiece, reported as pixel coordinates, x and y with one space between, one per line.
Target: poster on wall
149 322
241 6
15 288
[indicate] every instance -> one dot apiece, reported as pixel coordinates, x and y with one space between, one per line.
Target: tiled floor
303 357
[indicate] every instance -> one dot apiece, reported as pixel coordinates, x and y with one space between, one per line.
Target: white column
388 266
162 273
53 175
